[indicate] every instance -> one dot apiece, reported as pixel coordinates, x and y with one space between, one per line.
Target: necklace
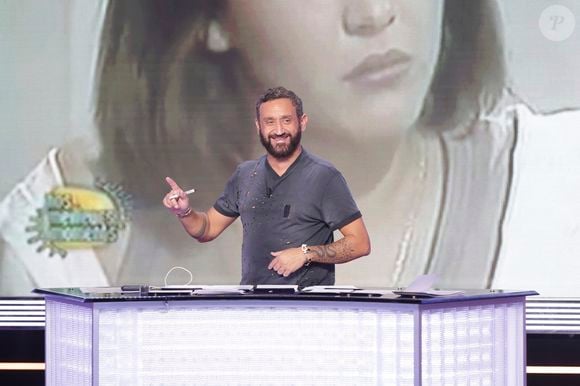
405 245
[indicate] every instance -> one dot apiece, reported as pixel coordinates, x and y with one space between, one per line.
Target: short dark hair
280 93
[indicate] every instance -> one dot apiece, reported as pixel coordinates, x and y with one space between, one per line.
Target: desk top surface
328 293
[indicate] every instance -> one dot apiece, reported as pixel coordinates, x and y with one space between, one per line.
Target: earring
218 39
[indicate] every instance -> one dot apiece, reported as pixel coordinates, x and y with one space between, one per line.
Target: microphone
269 192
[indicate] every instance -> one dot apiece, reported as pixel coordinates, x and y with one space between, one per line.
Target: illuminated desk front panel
285 340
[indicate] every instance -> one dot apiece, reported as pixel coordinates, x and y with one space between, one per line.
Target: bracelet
306 251
185 213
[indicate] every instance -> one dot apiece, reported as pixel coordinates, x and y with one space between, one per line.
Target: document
422 286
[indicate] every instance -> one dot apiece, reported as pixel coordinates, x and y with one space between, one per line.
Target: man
290 202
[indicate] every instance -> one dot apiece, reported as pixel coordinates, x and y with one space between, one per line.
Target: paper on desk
200 289
331 289
422 283
422 286
222 289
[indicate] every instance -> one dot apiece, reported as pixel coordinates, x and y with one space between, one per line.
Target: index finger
172 183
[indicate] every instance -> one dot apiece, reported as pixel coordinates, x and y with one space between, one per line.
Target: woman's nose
367 17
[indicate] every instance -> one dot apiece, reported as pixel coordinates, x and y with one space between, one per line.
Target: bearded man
290 202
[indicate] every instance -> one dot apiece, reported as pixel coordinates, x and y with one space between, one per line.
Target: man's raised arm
203 226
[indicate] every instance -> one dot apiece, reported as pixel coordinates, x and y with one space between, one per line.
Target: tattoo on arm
338 252
199 234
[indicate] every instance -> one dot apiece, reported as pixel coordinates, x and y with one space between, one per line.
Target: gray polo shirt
303 206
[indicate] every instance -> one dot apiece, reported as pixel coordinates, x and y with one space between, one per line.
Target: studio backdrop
454 123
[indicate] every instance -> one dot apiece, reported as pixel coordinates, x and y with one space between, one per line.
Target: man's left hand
287 261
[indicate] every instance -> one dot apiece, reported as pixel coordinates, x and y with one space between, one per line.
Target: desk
112 338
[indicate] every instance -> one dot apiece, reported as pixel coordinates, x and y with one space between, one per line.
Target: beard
281 151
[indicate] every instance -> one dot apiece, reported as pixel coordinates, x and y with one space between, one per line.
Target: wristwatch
306 250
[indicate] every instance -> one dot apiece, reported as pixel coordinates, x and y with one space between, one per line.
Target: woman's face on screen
361 65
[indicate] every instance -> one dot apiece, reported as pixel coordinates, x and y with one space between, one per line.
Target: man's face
279 128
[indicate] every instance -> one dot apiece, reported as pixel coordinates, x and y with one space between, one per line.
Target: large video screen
454 123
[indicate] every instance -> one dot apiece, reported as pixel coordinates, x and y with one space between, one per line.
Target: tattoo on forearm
338 252
324 251
199 234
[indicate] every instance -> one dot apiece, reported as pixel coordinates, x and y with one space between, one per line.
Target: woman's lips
380 70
